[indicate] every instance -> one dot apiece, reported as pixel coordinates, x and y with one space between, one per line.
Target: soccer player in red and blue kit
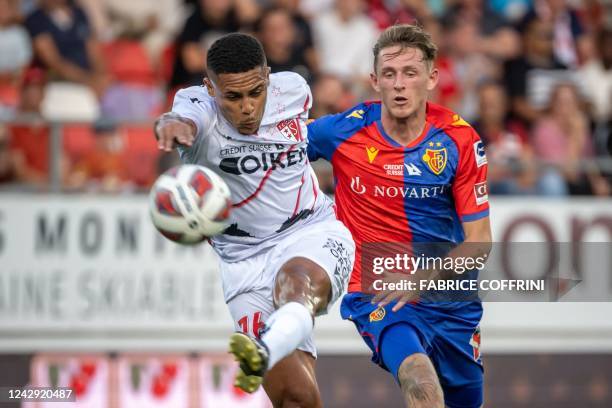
409 171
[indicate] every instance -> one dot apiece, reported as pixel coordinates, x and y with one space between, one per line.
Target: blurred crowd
534 77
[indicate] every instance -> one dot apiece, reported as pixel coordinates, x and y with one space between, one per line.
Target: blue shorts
448 333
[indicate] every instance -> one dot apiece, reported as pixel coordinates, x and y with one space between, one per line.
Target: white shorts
248 285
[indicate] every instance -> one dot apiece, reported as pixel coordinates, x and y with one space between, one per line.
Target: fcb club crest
290 129
377 315
436 159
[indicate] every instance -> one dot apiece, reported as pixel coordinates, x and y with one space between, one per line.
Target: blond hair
406 36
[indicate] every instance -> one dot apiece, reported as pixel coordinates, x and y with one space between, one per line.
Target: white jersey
273 187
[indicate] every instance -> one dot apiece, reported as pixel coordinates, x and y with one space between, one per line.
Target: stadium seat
166 63
78 140
129 102
9 94
143 154
135 93
66 101
129 62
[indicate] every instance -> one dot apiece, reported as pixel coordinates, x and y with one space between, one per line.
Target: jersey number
257 324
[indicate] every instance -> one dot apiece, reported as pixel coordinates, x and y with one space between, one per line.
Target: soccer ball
189 204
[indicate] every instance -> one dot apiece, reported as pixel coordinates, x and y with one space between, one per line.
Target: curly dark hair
235 53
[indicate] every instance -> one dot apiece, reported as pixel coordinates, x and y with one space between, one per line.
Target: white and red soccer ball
189 204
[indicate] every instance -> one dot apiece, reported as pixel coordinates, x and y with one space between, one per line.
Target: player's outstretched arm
171 130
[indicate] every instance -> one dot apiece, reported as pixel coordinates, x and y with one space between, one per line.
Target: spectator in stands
448 90
511 10
135 93
278 33
312 8
153 23
512 165
27 6
530 77
304 37
103 168
463 67
596 76
210 20
30 140
8 171
32 94
490 35
329 96
386 13
345 37
246 10
63 43
16 53
571 43
562 139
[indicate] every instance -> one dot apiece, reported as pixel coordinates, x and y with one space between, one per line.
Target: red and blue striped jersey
386 192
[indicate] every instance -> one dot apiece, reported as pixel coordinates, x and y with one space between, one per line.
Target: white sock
287 328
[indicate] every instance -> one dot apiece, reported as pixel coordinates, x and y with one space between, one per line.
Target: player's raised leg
302 289
309 271
292 380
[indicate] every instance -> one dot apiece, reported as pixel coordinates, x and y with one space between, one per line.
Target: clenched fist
172 130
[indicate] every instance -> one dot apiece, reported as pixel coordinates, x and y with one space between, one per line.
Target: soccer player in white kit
285 258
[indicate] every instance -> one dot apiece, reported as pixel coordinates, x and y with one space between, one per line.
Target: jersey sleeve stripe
475 216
